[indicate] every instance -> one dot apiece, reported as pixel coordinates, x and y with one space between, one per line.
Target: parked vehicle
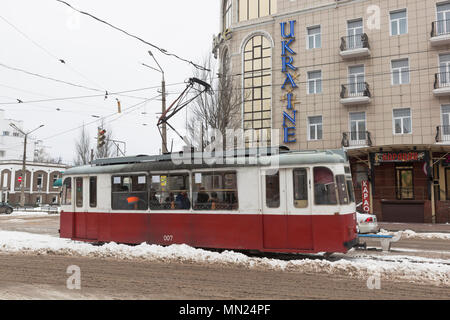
366 223
6 208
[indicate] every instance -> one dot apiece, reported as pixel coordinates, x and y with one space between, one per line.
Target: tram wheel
327 255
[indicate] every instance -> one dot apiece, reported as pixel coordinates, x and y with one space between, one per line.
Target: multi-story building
41 179
370 76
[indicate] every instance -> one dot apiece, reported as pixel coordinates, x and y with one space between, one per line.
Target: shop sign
365 196
289 85
219 39
387 157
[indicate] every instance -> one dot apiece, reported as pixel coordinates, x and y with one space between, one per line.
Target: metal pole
164 128
24 174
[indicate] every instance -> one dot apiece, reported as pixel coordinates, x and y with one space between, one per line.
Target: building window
314 82
6 133
16 134
252 9
227 14
170 192
399 22
356 81
273 190
314 38
404 183
354 32
315 128
443 19
258 87
214 191
129 193
445 121
39 180
400 71
357 128
402 121
93 192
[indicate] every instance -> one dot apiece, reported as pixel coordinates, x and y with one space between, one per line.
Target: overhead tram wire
129 109
93 96
58 59
136 37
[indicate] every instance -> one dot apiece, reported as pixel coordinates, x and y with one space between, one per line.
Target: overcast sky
102 58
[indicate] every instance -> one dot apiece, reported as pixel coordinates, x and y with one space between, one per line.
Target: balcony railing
440 28
360 89
356 139
442 80
443 134
357 41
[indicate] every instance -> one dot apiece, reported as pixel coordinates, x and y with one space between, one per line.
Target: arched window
252 9
258 87
227 14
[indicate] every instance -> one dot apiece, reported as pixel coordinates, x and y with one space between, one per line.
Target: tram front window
342 190
215 191
67 192
129 192
324 187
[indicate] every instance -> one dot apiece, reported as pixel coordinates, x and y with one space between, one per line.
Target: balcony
443 134
356 46
442 84
355 94
440 33
356 139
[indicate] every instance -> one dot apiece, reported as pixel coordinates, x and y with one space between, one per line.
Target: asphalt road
45 276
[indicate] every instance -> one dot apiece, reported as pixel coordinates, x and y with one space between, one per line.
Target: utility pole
24 174
163 92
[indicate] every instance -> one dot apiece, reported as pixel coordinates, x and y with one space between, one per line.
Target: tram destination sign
410 156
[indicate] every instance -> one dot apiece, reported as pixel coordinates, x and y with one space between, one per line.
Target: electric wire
136 37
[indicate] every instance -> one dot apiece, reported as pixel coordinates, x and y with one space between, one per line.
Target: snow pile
409 234
394 268
30 214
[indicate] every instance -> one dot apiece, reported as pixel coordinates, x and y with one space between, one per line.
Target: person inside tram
202 199
182 201
213 201
154 202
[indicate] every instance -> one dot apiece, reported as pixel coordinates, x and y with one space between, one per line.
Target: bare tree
217 111
83 148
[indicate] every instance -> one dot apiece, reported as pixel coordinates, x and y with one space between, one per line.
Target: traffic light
101 138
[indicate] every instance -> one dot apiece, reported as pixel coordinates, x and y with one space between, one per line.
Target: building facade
370 76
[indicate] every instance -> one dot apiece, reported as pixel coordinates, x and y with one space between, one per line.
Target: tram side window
79 192
351 190
215 191
300 188
170 192
324 187
67 192
129 192
93 192
273 191
342 190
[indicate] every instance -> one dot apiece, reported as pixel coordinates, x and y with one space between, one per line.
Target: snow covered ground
36 213
387 267
409 234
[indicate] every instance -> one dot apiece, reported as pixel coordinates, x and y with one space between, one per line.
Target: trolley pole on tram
163 92
24 174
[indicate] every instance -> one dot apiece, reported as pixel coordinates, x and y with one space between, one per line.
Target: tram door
287 220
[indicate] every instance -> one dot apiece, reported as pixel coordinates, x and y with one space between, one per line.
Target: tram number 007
168 238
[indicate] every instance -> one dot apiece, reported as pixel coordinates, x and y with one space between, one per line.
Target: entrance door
287 219
356 79
357 128
299 218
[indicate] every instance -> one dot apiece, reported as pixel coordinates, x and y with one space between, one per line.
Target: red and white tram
306 206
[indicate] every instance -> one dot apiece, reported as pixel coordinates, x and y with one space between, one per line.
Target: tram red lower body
276 233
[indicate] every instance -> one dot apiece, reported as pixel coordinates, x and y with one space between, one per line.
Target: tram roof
183 161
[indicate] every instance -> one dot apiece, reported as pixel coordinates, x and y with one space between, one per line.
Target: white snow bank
395 268
409 234
29 214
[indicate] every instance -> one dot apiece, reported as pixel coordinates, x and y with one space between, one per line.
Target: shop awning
58 183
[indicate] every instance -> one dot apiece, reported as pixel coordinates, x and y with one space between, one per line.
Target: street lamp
163 91
24 179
